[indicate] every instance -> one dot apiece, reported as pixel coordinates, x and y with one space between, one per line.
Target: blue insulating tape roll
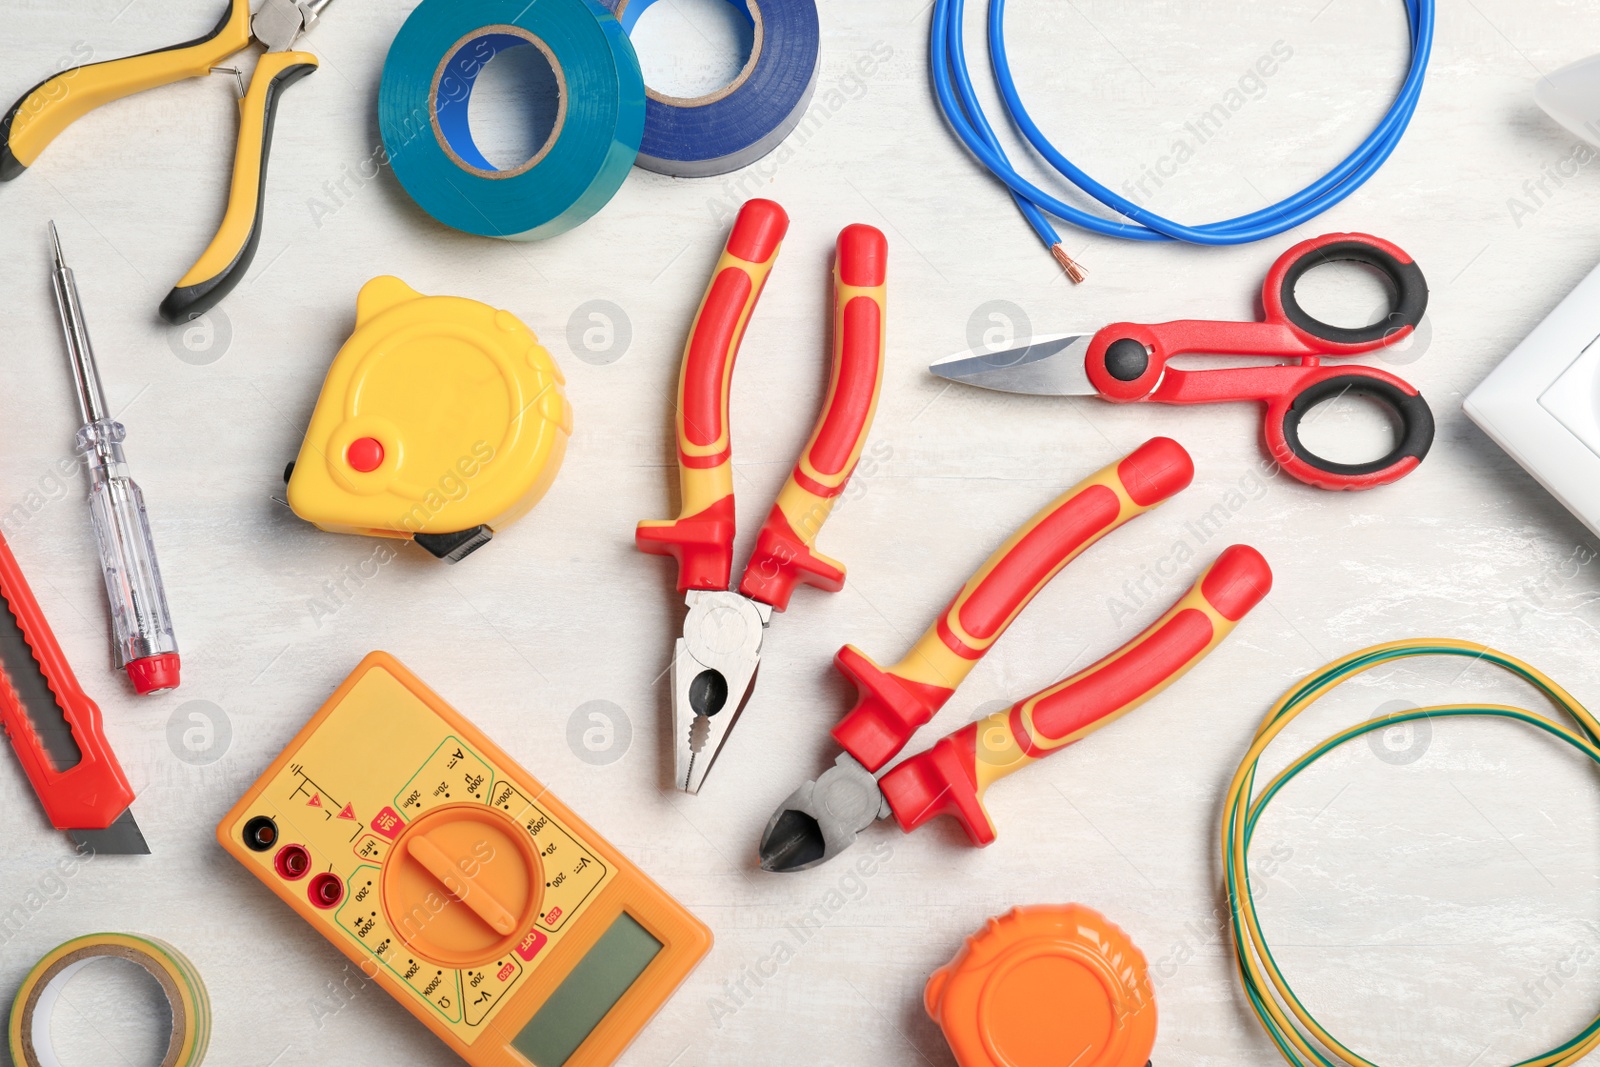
736 125
427 86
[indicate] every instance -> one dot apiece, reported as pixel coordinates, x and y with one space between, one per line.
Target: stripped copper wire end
1068 264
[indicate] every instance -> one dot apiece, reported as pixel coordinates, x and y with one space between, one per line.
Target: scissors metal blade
1042 366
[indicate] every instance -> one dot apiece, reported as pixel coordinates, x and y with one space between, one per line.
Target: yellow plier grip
222 265
60 100
54 104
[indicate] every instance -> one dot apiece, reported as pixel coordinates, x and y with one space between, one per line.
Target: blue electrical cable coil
738 124
426 91
952 83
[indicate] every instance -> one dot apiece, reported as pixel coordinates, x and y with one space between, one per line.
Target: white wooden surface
1437 911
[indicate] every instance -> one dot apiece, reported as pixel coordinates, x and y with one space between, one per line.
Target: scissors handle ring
1408 292
1410 412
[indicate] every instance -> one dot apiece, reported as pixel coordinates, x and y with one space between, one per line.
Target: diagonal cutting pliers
58 101
823 817
715 661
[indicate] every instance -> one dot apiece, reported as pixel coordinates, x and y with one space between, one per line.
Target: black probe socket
260 833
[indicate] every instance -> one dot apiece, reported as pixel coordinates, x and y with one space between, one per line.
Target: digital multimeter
452 878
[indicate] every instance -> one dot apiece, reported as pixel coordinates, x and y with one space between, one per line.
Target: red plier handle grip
784 555
951 777
701 538
892 703
36 682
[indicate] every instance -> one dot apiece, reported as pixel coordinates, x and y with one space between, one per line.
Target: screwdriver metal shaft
141 625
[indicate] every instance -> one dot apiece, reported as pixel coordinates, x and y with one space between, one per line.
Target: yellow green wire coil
1301 1040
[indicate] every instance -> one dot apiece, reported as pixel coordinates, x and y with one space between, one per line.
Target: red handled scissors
1127 362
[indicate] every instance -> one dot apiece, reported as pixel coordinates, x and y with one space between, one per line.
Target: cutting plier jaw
713 673
277 24
822 818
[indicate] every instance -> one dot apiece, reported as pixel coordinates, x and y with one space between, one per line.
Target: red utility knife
56 728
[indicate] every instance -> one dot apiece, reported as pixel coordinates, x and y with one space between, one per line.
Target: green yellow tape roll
186 994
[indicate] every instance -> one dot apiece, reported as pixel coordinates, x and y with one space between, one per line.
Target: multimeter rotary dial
462 885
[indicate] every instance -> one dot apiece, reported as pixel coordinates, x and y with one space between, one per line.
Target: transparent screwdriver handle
141 627
141 624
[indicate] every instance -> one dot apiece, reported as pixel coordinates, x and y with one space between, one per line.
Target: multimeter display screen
595 985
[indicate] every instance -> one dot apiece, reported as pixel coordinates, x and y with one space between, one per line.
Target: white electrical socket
1542 403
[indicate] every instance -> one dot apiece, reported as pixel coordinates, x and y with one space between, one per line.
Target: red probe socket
325 890
292 862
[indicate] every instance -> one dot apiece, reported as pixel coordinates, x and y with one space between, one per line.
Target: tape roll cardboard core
751 9
454 81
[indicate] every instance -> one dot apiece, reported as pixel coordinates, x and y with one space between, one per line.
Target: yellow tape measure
441 421
186 995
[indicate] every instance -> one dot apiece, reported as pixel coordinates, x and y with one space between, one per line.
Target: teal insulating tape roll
427 86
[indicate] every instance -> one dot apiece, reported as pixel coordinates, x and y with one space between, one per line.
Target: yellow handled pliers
52 105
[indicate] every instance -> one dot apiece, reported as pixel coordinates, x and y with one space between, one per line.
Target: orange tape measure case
447 873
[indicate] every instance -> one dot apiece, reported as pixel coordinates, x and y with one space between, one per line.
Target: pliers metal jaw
715 661
278 24
713 673
822 818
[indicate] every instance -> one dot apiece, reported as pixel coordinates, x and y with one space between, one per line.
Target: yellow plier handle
60 100
54 104
222 265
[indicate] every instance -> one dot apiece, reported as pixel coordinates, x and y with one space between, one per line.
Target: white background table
1434 896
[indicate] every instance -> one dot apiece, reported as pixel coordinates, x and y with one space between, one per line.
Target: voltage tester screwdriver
140 623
